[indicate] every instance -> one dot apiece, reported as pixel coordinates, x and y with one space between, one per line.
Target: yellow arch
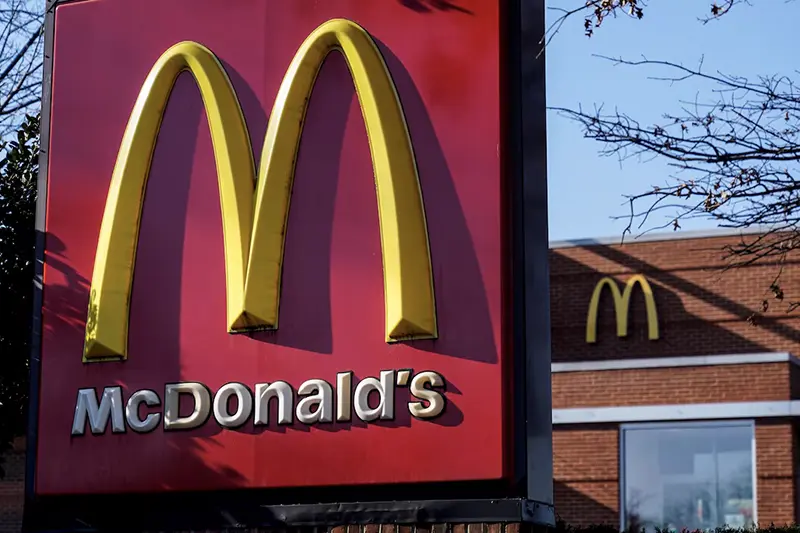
407 279
255 212
621 307
110 293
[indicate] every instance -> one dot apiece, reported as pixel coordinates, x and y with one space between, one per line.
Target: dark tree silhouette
19 166
21 58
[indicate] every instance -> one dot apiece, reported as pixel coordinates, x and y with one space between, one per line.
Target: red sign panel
294 277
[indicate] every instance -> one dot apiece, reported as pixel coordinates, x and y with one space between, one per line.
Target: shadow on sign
305 283
457 277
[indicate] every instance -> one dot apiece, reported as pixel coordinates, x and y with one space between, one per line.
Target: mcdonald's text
315 403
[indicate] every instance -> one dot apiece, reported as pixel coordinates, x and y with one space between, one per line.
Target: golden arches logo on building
255 208
622 302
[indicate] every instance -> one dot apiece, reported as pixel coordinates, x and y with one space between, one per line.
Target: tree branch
735 158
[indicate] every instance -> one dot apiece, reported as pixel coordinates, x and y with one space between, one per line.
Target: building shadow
576 509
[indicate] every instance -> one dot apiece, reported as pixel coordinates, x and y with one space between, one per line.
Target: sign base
406 512
229 513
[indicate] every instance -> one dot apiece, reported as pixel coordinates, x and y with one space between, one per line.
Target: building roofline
660 236
674 362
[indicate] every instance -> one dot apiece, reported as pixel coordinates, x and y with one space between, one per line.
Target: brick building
12 488
687 419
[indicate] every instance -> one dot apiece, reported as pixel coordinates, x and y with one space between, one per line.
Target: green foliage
19 168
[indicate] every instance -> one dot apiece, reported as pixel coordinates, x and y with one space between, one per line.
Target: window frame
749 423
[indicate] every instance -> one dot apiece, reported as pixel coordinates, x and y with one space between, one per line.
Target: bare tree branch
595 12
736 159
21 41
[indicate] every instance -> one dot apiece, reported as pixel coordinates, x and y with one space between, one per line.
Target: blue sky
585 189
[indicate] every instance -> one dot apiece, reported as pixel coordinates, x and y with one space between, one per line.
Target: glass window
695 476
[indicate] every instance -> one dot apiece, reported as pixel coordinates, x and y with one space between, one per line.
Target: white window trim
683 425
668 413
671 362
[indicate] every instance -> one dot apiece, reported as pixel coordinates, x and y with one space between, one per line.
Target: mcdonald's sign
328 319
622 302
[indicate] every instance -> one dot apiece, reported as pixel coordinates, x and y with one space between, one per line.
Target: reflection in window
695 476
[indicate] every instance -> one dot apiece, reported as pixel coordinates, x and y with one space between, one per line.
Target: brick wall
434 528
698 384
775 471
438 528
12 489
702 310
586 474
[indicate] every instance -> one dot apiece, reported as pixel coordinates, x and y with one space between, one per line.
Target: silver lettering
322 399
419 389
150 422
244 405
344 393
385 389
314 404
110 406
283 393
202 406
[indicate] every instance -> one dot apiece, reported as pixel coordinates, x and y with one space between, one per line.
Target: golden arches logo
622 302
255 208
